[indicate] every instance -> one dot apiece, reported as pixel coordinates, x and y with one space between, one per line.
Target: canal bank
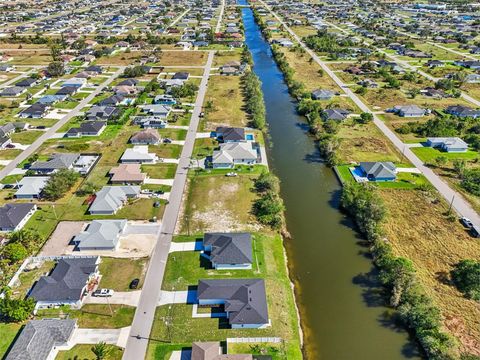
340 302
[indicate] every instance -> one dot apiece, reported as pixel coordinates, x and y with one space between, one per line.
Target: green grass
164 351
66 105
44 221
9 154
95 316
182 328
118 273
28 278
276 351
428 154
345 174
160 171
174 134
168 151
9 331
11 179
185 268
26 137
84 351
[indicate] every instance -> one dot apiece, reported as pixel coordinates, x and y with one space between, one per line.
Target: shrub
466 277
13 310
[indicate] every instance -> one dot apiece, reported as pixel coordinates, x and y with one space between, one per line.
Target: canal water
341 304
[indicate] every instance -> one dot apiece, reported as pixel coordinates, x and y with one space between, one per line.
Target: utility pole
451 204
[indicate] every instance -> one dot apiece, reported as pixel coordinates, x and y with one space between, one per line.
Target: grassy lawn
182 328
43 221
276 351
418 229
9 331
95 316
204 147
225 93
160 171
365 143
84 351
428 154
183 58
118 273
169 151
26 137
11 179
9 154
28 278
174 134
185 268
219 203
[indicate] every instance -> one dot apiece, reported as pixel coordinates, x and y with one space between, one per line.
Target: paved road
142 323
459 204
37 143
219 22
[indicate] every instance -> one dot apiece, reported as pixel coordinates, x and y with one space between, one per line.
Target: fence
275 340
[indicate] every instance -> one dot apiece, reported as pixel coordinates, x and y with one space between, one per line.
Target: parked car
103 293
202 114
231 174
134 283
167 141
466 222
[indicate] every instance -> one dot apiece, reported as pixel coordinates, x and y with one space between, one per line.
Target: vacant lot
418 229
118 273
225 96
183 58
218 203
84 351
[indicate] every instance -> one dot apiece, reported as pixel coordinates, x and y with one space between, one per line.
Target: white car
103 293
466 222
231 174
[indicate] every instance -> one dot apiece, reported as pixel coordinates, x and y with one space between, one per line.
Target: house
102 113
164 100
378 171
67 284
146 137
34 111
472 79
228 250
54 163
212 350
94 69
40 338
4 142
228 134
181 76
111 198
124 90
153 122
51 99
408 111
113 100
283 42
31 187
435 63
127 174
236 153
7 129
67 91
335 114
14 216
322 94
100 235
75 82
128 82
462 111
26 83
244 300
138 154
156 110
87 128
12 91
448 144
434 93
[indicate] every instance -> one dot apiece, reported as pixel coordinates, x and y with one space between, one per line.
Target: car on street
103 293
466 222
134 283
231 174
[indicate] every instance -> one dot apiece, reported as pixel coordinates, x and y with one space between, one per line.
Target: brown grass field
418 230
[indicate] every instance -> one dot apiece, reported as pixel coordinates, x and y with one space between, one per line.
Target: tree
56 68
269 209
441 160
26 237
55 51
466 277
14 252
59 183
15 310
365 117
471 181
267 182
101 350
413 93
459 165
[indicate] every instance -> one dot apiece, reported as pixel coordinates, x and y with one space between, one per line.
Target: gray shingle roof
56 162
231 133
100 234
229 248
245 299
12 214
66 282
38 338
111 198
379 169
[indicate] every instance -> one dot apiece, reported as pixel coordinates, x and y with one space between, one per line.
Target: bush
13 310
14 252
269 210
471 181
267 182
254 98
59 183
466 277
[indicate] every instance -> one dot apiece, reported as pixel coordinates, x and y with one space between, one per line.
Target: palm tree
101 350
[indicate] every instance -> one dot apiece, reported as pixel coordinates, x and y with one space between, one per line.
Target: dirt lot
58 242
183 58
419 230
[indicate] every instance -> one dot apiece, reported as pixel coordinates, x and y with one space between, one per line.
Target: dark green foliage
466 277
269 207
267 182
13 310
255 105
59 183
471 181
14 252
186 90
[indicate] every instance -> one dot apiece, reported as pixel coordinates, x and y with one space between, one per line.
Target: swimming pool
249 137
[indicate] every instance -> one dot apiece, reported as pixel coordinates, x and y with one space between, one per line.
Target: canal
342 310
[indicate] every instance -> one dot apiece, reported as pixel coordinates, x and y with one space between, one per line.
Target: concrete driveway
134 228
119 298
177 297
186 246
